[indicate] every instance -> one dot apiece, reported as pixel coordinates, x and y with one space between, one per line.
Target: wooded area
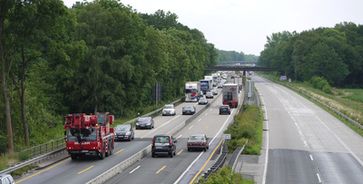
98 56
233 56
335 54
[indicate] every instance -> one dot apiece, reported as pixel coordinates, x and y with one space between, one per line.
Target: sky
243 25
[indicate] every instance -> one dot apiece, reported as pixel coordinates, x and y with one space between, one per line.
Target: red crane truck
89 135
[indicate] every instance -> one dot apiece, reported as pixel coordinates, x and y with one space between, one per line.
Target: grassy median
225 175
247 125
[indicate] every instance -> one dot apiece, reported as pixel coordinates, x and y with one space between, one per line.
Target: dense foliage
96 56
335 54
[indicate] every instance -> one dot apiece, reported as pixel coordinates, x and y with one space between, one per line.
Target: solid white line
182 175
311 157
317 175
133 170
179 136
267 145
341 142
224 124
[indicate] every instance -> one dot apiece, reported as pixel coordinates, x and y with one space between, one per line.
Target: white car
6 178
209 94
168 110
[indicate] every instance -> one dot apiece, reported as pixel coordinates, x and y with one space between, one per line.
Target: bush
321 84
225 175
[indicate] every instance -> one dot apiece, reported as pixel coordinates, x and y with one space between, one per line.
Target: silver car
6 179
168 110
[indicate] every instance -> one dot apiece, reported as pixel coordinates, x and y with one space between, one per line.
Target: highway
305 143
81 171
169 170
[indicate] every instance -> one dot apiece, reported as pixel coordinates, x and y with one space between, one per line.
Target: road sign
227 136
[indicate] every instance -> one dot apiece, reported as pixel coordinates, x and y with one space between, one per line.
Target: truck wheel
102 154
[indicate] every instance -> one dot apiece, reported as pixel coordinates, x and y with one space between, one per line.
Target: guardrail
235 155
219 161
139 155
46 150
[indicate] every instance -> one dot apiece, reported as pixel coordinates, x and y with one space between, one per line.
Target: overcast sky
242 25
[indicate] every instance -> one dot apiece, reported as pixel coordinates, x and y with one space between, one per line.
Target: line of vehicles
93 134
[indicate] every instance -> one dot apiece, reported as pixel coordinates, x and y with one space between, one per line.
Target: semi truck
89 135
230 95
209 77
191 91
205 85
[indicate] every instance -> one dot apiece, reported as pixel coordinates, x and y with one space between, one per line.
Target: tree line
233 56
95 56
335 54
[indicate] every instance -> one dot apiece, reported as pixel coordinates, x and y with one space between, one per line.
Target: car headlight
128 133
148 123
137 124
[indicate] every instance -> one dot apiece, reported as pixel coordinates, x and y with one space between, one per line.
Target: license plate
159 147
84 151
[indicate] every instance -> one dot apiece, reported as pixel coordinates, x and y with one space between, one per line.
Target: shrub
321 83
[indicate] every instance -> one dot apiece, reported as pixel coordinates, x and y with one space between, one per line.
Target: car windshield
143 120
162 139
188 108
122 128
169 107
196 138
82 134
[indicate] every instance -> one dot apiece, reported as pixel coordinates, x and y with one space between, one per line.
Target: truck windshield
82 134
228 96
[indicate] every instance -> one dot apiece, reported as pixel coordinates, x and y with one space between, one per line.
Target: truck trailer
230 95
191 91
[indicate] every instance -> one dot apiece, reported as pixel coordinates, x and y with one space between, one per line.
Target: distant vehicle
145 122
189 109
210 78
209 94
192 91
6 179
283 78
224 109
215 91
168 110
124 132
163 144
198 141
230 95
203 101
205 85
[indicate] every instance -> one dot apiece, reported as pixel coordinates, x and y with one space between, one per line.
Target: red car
198 141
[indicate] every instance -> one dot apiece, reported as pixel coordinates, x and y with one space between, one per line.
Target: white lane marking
200 119
166 123
190 127
311 157
317 175
341 142
267 144
224 124
181 124
182 175
133 170
179 136
306 144
205 114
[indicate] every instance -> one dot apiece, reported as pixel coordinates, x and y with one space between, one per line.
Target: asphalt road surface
306 144
81 171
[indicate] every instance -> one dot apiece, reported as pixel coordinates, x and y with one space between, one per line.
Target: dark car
124 132
203 101
198 141
145 122
224 109
163 144
189 109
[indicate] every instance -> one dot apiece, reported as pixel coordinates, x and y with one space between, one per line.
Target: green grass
247 126
352 94
225 175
